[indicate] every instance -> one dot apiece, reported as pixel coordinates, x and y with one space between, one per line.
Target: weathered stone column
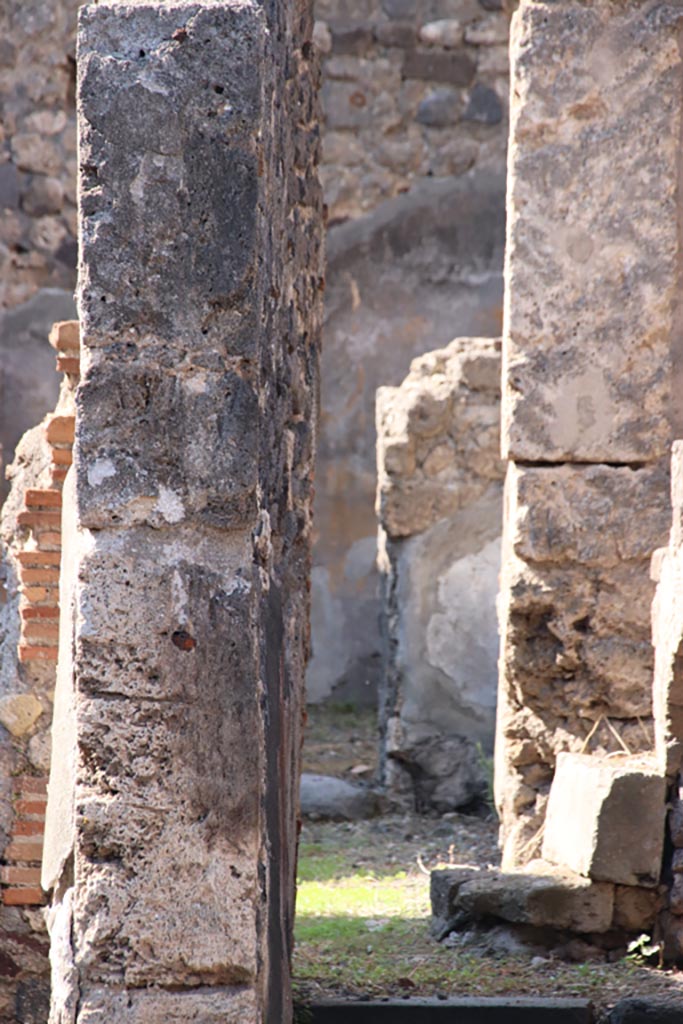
181 660
592 343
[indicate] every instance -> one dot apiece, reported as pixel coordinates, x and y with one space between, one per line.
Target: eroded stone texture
199 303
440 508
593 246
576 661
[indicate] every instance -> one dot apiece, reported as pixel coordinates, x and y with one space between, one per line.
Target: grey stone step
452 1011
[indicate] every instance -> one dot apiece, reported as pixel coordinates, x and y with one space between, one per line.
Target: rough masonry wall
29 623
186 537
415 96
591 345
37 205
440 495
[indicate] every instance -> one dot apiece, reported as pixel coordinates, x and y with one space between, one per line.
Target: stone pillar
592 342
439 500
180 686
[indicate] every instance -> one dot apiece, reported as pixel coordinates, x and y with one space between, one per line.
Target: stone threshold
466 1010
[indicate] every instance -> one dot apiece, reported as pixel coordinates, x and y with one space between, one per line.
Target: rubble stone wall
440 495
415 100
29 625
187 516
591 348
37 205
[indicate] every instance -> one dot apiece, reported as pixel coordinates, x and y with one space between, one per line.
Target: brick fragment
65 335
30 784
41 574
43 611
38 630
35 806
24 851
10 874
51 520
68 364
23 897
30 652
28 828
43 497
34 595
58 475
62 456
61 429
37 557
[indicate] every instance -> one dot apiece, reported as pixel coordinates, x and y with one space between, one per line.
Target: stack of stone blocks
591 364
439 502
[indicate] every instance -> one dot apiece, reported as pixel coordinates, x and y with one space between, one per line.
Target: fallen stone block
606 818
543 896
326 798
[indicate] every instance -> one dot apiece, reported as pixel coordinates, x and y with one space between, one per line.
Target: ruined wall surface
415 100
413 90
187 516
30 551
591 345
37 204
440 495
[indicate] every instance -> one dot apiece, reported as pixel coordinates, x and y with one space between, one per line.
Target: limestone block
592 271
440 510
574 609
606 818
543 896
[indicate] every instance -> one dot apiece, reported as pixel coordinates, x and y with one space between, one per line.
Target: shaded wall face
37 204
415 126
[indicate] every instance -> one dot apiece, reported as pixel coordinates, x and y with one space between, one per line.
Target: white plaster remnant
100 471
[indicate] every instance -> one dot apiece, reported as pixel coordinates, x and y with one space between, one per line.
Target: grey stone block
440 108
326 798
483 106
606 818
543 896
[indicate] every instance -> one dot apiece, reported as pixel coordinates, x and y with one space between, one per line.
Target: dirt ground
363 905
